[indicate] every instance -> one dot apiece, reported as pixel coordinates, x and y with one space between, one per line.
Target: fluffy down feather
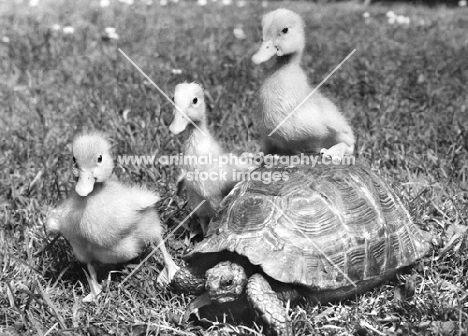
317 125
104 220
205 152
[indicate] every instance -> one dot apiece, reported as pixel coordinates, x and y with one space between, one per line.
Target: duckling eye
285 30
195 100
99 159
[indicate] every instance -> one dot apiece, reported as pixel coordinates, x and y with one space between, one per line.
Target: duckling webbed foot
204 222
94 285
180 183
168 272
90 298
166 275
336 152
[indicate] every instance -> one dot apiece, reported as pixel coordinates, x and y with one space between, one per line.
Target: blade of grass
49 302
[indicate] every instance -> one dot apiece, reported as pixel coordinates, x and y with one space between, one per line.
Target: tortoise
323 233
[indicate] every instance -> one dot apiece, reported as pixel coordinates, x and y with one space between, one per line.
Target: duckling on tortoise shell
325 234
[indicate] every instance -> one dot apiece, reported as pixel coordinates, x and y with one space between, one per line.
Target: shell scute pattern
271 189
322 227
356 259
310 217
225 205
377 249
250 213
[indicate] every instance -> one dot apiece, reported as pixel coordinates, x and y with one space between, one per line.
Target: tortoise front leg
267 303
189 280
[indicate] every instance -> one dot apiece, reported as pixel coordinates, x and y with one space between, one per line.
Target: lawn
404 91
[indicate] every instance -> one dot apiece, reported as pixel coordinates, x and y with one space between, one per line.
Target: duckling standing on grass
315 126
104 220
200 144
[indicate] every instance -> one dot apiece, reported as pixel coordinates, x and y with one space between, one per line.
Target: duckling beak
85 184
179 124
267 50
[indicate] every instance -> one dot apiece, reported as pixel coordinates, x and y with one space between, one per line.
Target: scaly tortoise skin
284 236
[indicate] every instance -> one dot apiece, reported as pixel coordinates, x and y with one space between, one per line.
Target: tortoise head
225 282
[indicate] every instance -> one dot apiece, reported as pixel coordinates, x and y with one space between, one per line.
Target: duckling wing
52 223
120 213
67 214
321 123
142 198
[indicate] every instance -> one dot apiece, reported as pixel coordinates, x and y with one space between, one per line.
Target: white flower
68 30
5 39
462 3
264 3
56 27
202 2
33 3
163 2
114 36
110 31
421 79
128 2
239 33
400 19
241 3
125 114
366 15
104 3
176 71
227 2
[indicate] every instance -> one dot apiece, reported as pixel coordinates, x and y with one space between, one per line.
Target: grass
404 90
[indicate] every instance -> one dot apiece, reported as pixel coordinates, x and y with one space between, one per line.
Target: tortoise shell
324 227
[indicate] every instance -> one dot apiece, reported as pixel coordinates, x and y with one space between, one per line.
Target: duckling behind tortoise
207 153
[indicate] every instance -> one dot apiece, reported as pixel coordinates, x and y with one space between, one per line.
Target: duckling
104 220
210 156
315 126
